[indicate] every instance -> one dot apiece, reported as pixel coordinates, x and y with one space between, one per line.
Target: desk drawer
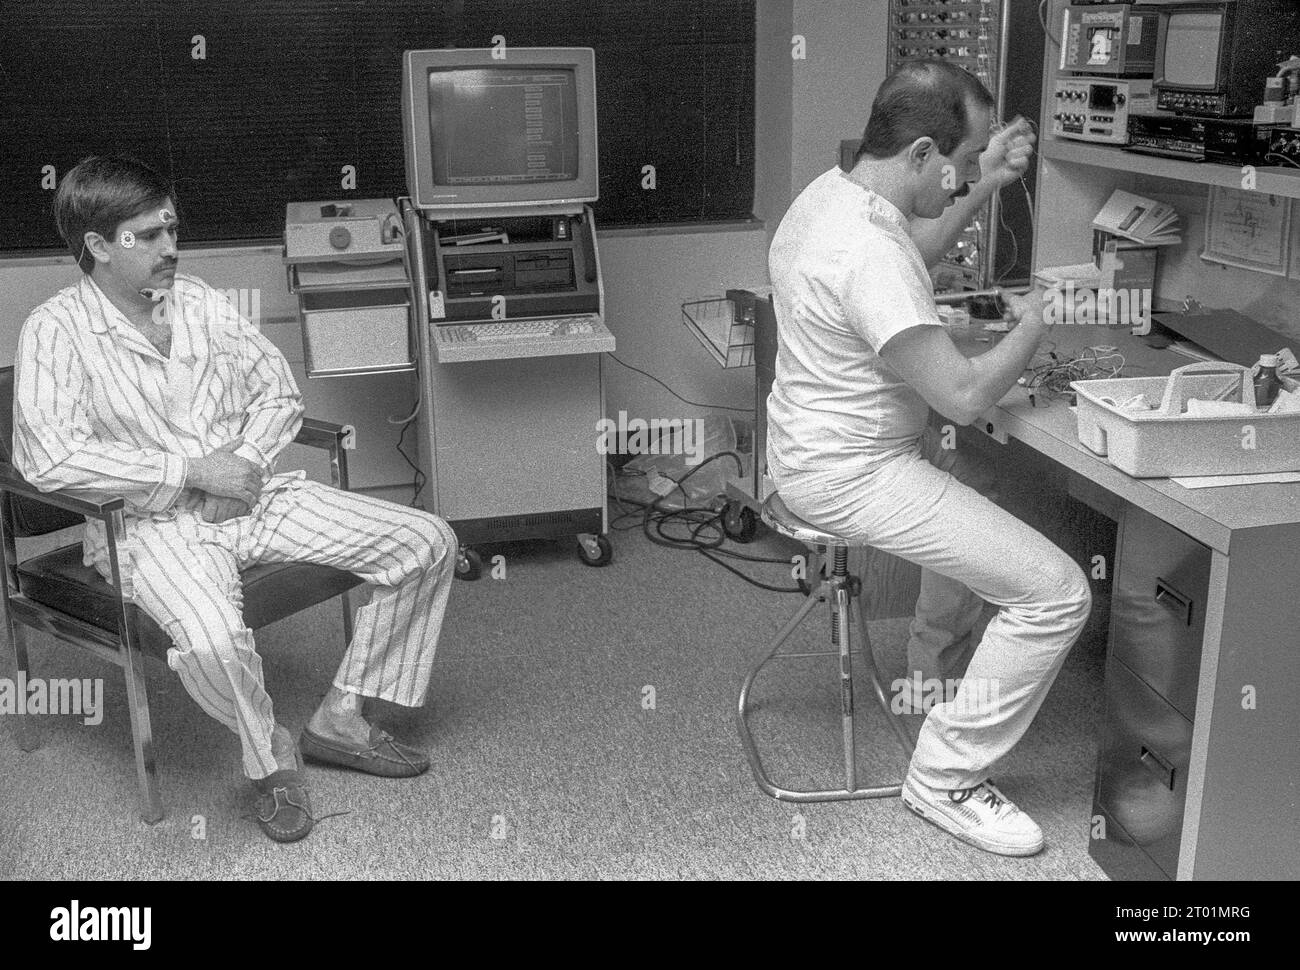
1158 607
1117 853
1142 767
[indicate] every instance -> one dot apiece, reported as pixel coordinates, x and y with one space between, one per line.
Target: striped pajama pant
184 573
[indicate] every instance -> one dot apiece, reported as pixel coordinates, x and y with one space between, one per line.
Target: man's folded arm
54 446
274 414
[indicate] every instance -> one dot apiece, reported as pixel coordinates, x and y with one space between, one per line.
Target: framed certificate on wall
1251 230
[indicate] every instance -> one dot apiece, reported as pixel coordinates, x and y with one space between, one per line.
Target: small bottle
1267 383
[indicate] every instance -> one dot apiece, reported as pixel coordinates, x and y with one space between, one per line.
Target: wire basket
726 331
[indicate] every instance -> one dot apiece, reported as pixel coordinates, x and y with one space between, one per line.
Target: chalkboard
249 106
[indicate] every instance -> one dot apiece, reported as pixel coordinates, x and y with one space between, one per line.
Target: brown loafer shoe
384 755
283 806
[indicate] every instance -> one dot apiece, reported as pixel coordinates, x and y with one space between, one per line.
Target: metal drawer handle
1174 601
1153 762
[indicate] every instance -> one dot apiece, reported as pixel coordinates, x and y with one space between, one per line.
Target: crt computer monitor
509 131
1191 56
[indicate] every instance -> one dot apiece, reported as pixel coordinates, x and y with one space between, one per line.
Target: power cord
1042 20
1015 243
1029 210
720 407
705 533
417 484
1289 161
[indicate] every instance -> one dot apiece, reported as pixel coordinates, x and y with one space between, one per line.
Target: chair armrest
320 434
94 504
329 437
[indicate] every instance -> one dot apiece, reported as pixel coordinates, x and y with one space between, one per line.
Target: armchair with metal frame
56 594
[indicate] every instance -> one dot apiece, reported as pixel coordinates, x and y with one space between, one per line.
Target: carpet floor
581 726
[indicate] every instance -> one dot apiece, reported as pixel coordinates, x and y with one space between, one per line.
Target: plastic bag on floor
684 453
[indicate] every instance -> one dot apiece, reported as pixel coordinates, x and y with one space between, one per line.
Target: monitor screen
1101 97
513 132
1191 54
498 125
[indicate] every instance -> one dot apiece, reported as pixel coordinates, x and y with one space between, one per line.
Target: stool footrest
831 795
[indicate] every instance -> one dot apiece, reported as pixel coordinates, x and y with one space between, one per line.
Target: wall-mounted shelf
1274 180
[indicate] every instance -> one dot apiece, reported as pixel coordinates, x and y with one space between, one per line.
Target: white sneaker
981 816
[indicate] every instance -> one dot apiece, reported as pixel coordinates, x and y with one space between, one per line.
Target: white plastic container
1166 442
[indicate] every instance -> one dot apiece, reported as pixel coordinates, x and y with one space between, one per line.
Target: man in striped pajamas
143 383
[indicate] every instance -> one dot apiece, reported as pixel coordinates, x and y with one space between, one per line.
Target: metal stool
838 589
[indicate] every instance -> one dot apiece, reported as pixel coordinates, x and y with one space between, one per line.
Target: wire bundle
695 528
1052 377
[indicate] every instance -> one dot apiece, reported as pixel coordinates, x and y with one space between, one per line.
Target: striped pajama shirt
96 407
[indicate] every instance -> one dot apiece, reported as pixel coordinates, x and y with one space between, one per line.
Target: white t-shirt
846 277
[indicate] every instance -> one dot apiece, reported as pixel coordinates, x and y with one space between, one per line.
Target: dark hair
922 98
100 193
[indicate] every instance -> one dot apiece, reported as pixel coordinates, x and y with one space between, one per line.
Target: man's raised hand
223 473
1030 306
1009 153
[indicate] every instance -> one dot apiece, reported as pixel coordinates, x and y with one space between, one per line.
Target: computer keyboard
508 330
507 339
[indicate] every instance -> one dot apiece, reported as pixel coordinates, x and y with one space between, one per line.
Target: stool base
837 590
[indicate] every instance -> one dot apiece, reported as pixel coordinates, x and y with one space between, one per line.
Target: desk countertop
1209 515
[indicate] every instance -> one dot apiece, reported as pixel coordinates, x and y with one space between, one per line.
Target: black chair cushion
271 592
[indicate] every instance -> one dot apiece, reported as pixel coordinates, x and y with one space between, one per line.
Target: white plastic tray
1166 442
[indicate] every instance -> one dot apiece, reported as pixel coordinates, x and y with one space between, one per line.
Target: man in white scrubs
862 360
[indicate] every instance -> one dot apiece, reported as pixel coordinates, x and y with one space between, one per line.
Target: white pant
939 643
184 573
969 549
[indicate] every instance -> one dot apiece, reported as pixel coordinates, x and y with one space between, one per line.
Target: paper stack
1142 220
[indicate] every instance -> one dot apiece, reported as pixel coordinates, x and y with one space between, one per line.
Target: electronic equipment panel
1090 109
972 35
522 267
352 228
1170 136
1113 39
345 263
1239 141
511 131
